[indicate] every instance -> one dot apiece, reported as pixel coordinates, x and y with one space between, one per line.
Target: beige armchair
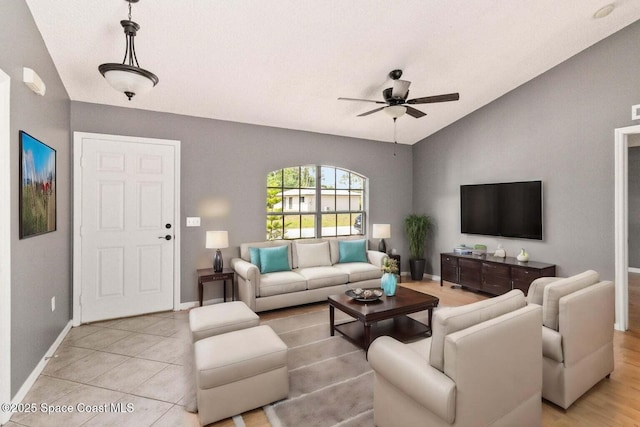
577 333
481 366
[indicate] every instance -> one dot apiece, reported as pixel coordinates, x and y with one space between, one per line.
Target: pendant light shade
128 77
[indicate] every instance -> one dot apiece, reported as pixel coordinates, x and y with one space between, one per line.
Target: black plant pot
417 268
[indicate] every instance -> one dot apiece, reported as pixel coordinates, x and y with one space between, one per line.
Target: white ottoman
218 319
239 371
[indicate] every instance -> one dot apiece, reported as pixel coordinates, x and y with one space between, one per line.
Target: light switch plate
635 112
193 221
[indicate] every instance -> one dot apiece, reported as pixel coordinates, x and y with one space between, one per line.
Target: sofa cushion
352 251
557 290
313 254
359 271
255 256
231 357
281 282
535 293
245 252
321 277
552 345
274 259
452 319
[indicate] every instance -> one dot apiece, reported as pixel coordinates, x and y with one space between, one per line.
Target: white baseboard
432 277
33 377
192 304
634 270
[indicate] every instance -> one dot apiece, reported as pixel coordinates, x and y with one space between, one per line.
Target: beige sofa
577 333
315 273
482 366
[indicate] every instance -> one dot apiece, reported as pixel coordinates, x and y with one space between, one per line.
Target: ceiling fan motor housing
390 99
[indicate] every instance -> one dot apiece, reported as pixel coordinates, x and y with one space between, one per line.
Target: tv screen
512 209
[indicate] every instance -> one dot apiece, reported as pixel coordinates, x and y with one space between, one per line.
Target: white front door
128 226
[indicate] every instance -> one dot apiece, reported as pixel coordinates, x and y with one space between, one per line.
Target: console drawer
496 278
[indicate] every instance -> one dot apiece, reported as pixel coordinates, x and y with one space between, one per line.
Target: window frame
276 225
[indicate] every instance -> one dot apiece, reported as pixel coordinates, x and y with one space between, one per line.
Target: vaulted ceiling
284 63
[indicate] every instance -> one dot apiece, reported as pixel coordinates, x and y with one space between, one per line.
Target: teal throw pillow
352 250
254 253
274 259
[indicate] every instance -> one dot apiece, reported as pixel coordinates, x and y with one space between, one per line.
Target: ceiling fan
396 99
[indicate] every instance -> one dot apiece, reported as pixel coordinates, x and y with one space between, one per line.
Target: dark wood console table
492 275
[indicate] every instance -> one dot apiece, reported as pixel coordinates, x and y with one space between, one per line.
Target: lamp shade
217 239
381 231
125 78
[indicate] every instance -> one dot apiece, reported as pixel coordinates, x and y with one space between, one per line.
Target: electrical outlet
53 304
193 221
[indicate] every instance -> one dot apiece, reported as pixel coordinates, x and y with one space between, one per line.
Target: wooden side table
208 275
398 260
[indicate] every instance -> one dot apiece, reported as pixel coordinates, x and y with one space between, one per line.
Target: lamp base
382 246
217 262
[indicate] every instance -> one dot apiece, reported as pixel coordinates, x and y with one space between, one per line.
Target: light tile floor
138 361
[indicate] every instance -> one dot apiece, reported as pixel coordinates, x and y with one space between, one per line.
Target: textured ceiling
285 63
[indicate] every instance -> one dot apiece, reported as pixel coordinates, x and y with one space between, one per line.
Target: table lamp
217 240
382 231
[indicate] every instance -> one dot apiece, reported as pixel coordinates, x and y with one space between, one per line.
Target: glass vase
389 282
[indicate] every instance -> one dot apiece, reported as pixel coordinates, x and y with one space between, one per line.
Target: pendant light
128 77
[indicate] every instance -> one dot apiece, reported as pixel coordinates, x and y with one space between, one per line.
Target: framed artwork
37 187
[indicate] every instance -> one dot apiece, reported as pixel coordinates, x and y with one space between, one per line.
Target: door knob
167 237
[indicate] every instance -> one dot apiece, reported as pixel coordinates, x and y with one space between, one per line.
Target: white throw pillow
313 254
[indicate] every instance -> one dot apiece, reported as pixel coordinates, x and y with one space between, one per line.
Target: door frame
78 137
621 182
5 243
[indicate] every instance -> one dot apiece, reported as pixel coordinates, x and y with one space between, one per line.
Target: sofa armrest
410 373
248 279
376 258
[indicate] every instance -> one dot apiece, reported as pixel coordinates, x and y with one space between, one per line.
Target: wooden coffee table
387 316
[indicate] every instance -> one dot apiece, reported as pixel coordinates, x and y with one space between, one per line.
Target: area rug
330 380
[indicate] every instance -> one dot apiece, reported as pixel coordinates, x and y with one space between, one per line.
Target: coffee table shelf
402 328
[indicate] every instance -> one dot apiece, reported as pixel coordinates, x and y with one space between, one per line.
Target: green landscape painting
37 187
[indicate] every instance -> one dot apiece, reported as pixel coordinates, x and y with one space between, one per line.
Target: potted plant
417 226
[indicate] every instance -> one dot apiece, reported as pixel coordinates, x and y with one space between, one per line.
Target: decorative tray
359 294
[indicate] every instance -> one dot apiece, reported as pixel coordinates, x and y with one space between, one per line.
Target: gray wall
40 265
634 203
557 128
224 168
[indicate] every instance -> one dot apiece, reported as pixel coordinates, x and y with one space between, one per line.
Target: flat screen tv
512 209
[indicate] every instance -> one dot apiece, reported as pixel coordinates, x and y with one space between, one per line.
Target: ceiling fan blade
436 98
371 112
363 100
400 89
414 112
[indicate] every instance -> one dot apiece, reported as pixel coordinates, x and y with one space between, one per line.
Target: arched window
315 201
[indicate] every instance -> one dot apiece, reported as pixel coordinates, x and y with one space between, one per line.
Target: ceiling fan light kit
128 77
